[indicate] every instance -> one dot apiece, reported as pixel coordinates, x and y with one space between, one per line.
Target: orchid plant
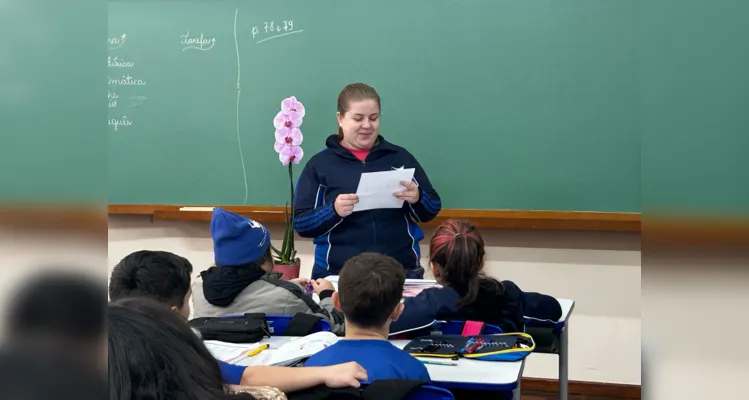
288 140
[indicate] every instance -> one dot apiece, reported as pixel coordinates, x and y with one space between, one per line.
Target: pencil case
499 347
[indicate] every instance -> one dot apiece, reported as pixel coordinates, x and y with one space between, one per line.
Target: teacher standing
326 192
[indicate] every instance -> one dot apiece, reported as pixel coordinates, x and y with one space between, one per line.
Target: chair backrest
277 323
431 393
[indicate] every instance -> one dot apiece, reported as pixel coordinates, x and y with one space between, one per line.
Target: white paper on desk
229 352
376 189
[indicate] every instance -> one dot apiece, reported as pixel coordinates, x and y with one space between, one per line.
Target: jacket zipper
371 216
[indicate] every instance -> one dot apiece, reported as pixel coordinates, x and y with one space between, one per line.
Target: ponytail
458 251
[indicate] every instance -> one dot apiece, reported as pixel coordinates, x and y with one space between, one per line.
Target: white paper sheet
376 189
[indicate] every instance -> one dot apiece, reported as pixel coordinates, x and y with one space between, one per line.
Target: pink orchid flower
288 121
290 153
291 136
290 105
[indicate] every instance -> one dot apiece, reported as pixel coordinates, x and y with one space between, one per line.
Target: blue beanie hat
237 240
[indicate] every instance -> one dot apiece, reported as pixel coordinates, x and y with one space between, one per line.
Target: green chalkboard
507 104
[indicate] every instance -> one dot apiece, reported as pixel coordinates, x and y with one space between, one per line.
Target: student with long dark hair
456 256
154 355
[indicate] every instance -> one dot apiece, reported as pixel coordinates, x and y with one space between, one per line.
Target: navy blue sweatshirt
503 305
392 231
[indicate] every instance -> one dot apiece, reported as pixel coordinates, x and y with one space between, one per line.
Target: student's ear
336 301
397 312
339 117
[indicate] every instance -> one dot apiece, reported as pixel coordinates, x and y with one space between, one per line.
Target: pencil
439 363
257 351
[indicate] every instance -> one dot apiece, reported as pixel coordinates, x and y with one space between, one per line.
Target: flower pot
288 271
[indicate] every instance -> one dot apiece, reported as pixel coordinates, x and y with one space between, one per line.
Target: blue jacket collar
334 144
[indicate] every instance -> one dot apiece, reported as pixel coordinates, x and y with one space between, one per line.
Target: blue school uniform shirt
231 373
379 358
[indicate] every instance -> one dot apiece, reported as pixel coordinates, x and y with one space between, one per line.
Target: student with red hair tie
456 256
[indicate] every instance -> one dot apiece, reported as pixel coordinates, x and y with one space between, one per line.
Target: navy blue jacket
393 231
503 305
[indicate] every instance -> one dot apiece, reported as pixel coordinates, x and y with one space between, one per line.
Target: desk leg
564 363
516 393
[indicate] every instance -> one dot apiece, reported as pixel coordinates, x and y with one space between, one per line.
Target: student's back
457 258
369 292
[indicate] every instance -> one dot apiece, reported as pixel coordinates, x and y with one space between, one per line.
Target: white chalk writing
117 123
112 99
271 30
239 93
117 62
117 41
126 80
197 43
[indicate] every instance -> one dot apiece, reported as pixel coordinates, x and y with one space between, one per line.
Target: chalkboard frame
503 219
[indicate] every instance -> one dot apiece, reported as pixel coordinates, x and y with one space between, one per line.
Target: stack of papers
414 286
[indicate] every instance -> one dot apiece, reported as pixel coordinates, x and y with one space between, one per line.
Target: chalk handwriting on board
197 43
112 99
117 41
117 62
239 92
126 80
271 30
118 123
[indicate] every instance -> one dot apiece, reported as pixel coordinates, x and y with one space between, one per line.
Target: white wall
600 271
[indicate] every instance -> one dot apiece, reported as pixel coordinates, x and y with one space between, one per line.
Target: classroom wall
600 271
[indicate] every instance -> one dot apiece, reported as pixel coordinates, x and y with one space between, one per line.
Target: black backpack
390 389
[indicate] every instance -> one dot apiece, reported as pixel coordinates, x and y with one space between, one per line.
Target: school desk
559 332
468 374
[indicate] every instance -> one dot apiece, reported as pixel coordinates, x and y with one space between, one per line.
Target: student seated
369 292
154 355
457 255
239 282
165 277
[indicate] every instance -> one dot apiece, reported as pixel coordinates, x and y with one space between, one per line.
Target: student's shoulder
402 154
511 289
436 295
292 291
413 365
